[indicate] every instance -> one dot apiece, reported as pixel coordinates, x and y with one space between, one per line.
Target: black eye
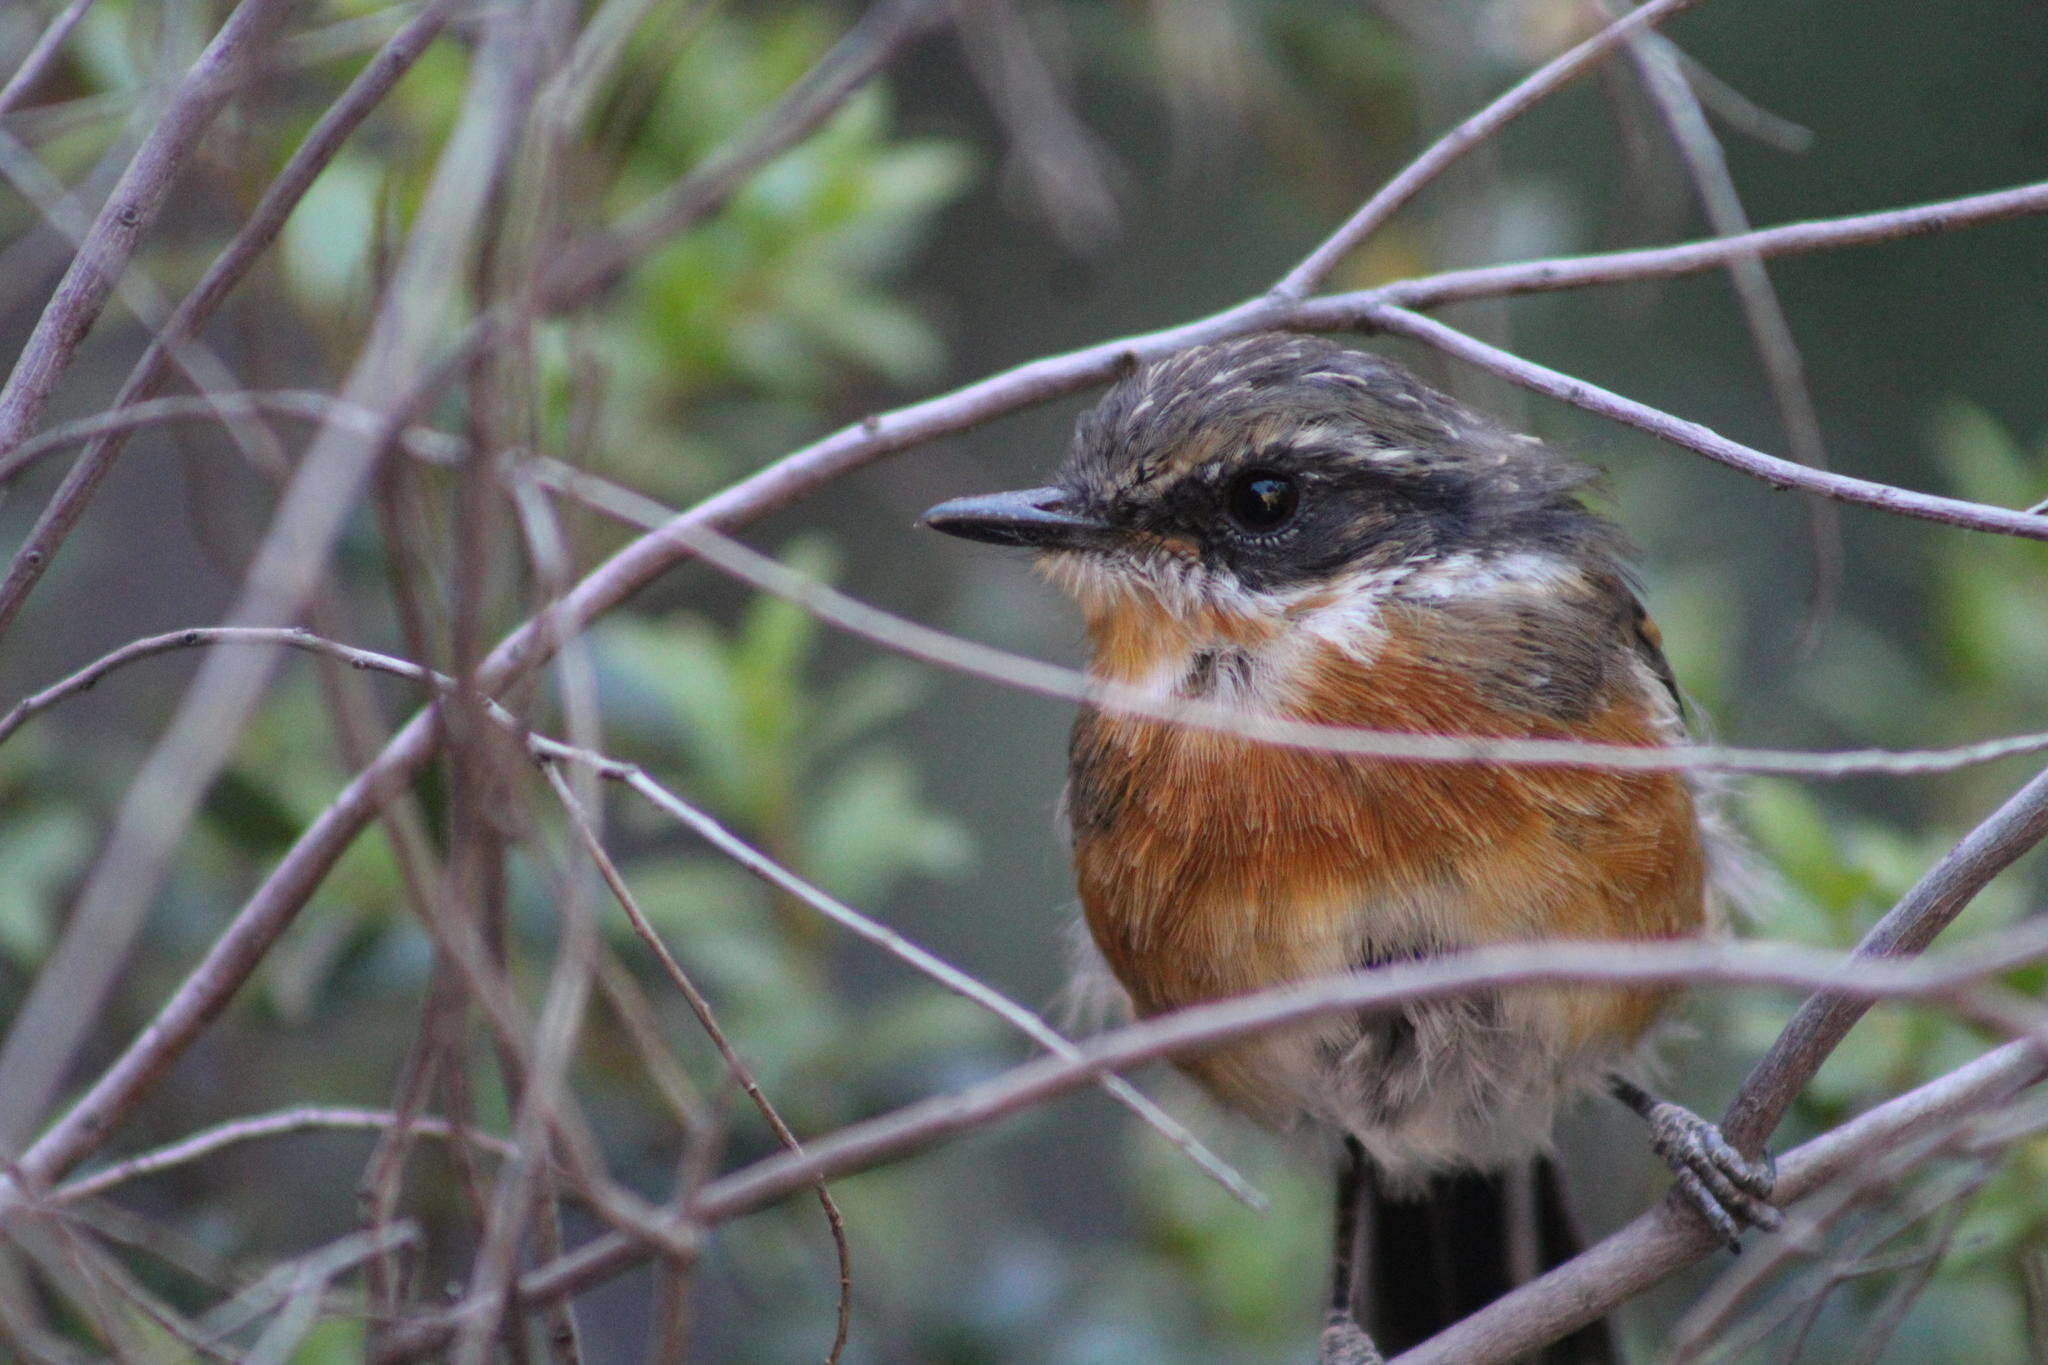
1262 500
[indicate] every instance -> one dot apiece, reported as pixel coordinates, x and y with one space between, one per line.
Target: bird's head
1242 479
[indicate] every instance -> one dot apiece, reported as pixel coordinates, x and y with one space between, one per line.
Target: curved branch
735 1064
937 968
1778 473
211 1140
1650 1249
873 1141
1662 1242
41 55
1923 912
1525 94
1688 258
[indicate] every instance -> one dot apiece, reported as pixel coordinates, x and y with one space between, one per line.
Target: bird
1290 527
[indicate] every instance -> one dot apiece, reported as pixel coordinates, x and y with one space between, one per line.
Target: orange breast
1210 865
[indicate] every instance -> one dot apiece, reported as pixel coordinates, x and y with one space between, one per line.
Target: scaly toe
1344 1342
1701 1200
1727 1189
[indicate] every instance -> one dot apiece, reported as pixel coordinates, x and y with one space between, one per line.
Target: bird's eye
1261 500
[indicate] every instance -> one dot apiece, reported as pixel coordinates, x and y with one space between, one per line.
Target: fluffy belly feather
1210 866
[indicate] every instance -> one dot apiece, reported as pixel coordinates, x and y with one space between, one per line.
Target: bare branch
1907 928
301 1120
39 57
1686 258
1776 472
708 1020
304 166
917 641
1663 1238
1661 68
1526 94
127 214
594 264
310 405
1589 1286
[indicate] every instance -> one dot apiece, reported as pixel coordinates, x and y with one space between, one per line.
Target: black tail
1455 1246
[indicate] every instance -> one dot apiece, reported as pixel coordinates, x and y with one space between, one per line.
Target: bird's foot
1723 1186
1344 1342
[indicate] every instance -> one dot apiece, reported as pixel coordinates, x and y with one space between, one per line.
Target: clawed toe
1344 1342
1727 1189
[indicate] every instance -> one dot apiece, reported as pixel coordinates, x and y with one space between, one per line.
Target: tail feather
1448 1250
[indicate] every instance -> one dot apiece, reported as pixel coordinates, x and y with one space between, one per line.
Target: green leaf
881 691
869 828
682 661
773 644
1983 462
326 242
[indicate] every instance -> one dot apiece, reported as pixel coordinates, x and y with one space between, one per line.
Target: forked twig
701 1007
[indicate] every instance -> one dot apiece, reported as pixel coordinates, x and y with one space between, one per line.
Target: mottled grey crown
1389 468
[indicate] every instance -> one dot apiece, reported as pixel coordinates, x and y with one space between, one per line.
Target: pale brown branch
127 214
1526 93
1911 925
707 1019
1657 1234
1778 473
1660 66
310 405
301 1120
304 166
1581 1291
943 650
592 265
40 56
1686 258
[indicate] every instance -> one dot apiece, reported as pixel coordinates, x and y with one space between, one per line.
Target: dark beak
1034 517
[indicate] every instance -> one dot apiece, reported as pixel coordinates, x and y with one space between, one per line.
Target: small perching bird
1295 529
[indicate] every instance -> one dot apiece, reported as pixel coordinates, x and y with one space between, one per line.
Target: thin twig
708 1020
1660 66
300 1120
589 267
41 55
1932 904
1642 1253
1778 473
1528 92
310 405
1658 1244
304 166
1686 258
127 214
917 641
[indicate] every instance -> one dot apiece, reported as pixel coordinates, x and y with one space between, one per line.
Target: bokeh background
912 246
